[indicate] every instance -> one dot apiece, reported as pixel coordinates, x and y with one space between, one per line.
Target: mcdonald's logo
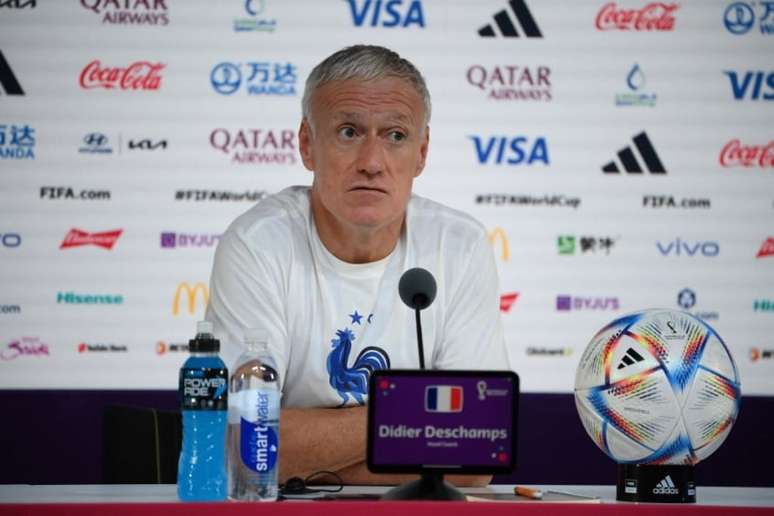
498 234
192 294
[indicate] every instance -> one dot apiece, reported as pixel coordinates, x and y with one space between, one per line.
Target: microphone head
417 288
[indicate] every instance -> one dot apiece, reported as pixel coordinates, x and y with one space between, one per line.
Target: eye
347 132
397 136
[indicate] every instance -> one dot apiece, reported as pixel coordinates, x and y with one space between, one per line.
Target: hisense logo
71 298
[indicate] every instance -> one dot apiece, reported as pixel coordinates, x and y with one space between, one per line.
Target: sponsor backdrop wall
619 153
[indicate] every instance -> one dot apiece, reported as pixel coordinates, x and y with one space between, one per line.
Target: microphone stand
419 340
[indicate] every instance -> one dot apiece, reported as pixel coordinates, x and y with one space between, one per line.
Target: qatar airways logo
655 16
129 12
78 238
140 75
737 154
256 146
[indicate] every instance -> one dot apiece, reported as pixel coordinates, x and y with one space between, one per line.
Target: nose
370 157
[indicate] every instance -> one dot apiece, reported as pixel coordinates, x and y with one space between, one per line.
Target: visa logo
518 150
387 13
750 84
443 398
678 247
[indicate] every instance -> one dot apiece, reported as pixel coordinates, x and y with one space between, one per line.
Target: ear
305 137
423 151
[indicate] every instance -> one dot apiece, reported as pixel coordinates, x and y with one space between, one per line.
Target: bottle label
204 389
257 412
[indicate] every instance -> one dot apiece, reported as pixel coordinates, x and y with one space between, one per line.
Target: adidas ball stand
655 483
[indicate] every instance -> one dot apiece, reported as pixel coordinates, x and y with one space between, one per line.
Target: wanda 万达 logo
77 238
657 16
140 75
737 154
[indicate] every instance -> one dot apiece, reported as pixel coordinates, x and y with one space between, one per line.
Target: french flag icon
443 398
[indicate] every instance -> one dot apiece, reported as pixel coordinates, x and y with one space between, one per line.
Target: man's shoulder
428 215
283 213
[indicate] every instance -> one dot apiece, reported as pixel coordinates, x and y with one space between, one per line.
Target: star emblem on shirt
356 317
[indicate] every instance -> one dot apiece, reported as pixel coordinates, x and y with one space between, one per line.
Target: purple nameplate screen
442 421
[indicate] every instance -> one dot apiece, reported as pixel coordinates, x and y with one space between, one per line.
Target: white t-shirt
330 322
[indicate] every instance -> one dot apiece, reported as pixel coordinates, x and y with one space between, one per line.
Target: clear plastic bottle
201 471
253 420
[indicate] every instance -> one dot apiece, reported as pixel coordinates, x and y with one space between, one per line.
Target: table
161 500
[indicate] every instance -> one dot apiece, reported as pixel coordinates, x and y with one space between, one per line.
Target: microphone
417 289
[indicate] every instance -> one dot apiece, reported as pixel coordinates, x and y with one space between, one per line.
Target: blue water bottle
201 472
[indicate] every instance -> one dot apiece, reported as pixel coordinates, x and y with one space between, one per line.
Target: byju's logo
387 13
654 16
510 150
635 80
749 85
565 303
679 247
507 300
629 161
17 142
767 248
443 398
256 78
96 143
255 20
129 12
512 82
736 154
739 17
256 146
191 295
140 75
569 245
25 346
77 238
506 26
171 240
10 240
8 80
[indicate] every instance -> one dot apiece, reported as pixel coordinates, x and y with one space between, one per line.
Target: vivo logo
750 84
387 13
679 247
502 150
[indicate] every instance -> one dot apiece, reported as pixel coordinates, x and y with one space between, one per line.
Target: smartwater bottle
201 472
253 421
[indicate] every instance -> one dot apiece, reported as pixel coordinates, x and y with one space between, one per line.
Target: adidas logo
666 486
629 358
8 80
629 160
506 26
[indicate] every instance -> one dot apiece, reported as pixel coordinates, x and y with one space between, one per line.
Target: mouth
364 188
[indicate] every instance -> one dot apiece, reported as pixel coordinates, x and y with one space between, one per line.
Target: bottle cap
204 342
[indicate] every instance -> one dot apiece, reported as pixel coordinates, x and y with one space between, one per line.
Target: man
318 267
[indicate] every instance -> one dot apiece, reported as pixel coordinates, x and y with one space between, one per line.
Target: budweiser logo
734 154
507 300
76 238
141 75
767 249
654 16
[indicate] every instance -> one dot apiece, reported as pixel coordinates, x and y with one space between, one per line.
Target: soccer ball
657 387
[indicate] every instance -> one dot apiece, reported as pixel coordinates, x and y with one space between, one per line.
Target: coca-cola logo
654 16
26 346
140 75
77 238
736 154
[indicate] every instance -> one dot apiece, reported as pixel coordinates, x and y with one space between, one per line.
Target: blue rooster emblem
353 381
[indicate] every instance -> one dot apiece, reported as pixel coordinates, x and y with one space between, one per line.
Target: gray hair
364 62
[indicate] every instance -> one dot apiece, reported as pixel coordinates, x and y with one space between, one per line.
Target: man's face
366 142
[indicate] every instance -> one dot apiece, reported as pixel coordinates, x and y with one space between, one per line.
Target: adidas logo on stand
8 80
506 26
629 358
666 486
628 158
